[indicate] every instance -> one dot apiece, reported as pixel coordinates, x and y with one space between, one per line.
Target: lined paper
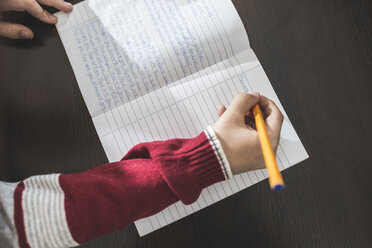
158 69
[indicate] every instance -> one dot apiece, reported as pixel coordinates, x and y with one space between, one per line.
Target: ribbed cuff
220 154
204 164
190 165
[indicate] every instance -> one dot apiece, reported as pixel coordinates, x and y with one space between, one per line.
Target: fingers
15 31
244 102
32 7
58 4
221 109
274 118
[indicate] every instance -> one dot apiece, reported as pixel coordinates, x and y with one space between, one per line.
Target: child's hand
236 131
17 31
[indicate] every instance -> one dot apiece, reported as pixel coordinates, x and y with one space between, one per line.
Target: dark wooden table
318 56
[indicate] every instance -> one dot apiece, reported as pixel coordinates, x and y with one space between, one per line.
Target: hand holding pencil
240 134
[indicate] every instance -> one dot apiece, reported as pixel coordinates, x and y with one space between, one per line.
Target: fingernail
25 35
52 18
256 93
69 6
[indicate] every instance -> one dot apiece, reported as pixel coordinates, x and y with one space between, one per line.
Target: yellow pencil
275 178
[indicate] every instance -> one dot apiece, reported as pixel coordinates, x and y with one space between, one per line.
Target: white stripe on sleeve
220 154
44 213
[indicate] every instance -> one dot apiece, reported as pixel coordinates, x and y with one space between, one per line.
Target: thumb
15 31
244 102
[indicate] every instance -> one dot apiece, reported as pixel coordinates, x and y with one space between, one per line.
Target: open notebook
158 69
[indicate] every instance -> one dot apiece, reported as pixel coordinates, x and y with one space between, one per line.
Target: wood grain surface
318 56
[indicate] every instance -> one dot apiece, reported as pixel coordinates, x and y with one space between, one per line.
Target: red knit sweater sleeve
68 209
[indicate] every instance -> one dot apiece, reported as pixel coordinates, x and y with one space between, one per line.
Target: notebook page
154 70
114 44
